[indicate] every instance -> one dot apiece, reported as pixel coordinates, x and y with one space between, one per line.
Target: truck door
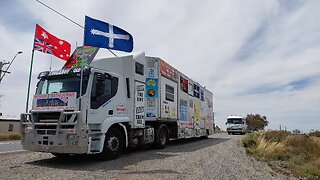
104 88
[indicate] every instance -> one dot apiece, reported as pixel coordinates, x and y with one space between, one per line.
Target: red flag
48 43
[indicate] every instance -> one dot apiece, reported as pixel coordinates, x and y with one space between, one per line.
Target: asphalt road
10 146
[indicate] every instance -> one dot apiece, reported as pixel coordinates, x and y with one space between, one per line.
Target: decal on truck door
139 104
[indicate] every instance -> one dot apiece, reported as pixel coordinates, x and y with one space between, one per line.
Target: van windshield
234 121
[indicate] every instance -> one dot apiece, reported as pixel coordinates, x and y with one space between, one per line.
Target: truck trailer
115 103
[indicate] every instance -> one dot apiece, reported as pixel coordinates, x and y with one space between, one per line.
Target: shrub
315 133
290 153
9 136
249 140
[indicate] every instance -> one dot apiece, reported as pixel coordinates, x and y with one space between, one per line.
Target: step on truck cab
112 104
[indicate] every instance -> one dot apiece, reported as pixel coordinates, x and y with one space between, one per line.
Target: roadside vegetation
9 136
290 153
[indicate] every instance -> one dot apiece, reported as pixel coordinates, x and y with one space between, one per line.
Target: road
219 157
10 146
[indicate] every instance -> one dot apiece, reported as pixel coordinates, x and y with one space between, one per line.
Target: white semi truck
236 125
115 103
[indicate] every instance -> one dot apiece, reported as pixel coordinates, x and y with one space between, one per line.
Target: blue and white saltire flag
101 34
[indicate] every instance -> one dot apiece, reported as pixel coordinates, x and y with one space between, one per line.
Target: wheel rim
113 144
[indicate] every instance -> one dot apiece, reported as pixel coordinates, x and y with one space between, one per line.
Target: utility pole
3 63
1 66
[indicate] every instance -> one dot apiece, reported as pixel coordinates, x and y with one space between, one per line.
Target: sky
260 57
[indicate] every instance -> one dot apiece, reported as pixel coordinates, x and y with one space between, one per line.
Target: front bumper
60 136
235 130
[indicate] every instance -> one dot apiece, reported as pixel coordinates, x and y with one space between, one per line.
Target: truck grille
46 123
46 117
49 132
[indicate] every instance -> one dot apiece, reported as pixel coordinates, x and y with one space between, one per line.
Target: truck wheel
161 137
206 136
113 144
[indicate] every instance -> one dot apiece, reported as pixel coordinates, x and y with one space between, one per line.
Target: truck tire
161 137
113 144
206 136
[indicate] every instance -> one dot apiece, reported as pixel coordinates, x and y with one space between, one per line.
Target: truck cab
89 110
236 125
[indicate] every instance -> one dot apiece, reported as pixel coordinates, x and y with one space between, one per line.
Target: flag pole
30 72
29 82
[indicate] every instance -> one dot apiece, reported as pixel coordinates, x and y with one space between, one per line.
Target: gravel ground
219 157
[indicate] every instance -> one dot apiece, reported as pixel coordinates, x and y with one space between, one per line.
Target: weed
315 134
249 140
286 152
9 136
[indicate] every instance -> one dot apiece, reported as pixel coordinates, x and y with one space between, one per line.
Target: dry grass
315 134
287 152
9 136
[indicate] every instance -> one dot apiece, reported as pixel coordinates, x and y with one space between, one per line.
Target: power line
59 13
69 20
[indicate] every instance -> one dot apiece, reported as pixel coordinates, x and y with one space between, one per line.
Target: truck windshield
234 121
61 85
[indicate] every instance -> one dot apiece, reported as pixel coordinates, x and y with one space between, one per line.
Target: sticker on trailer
139 104
168 71
152 67
152 98
197 114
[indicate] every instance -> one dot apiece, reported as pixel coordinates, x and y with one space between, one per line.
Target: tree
256 122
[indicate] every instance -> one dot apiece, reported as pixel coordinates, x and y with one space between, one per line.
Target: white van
236 124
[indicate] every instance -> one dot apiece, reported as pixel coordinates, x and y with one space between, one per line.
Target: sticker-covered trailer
115 103
174 98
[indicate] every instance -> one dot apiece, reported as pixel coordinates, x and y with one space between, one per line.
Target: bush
9 136
249 140
296 153
315 134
